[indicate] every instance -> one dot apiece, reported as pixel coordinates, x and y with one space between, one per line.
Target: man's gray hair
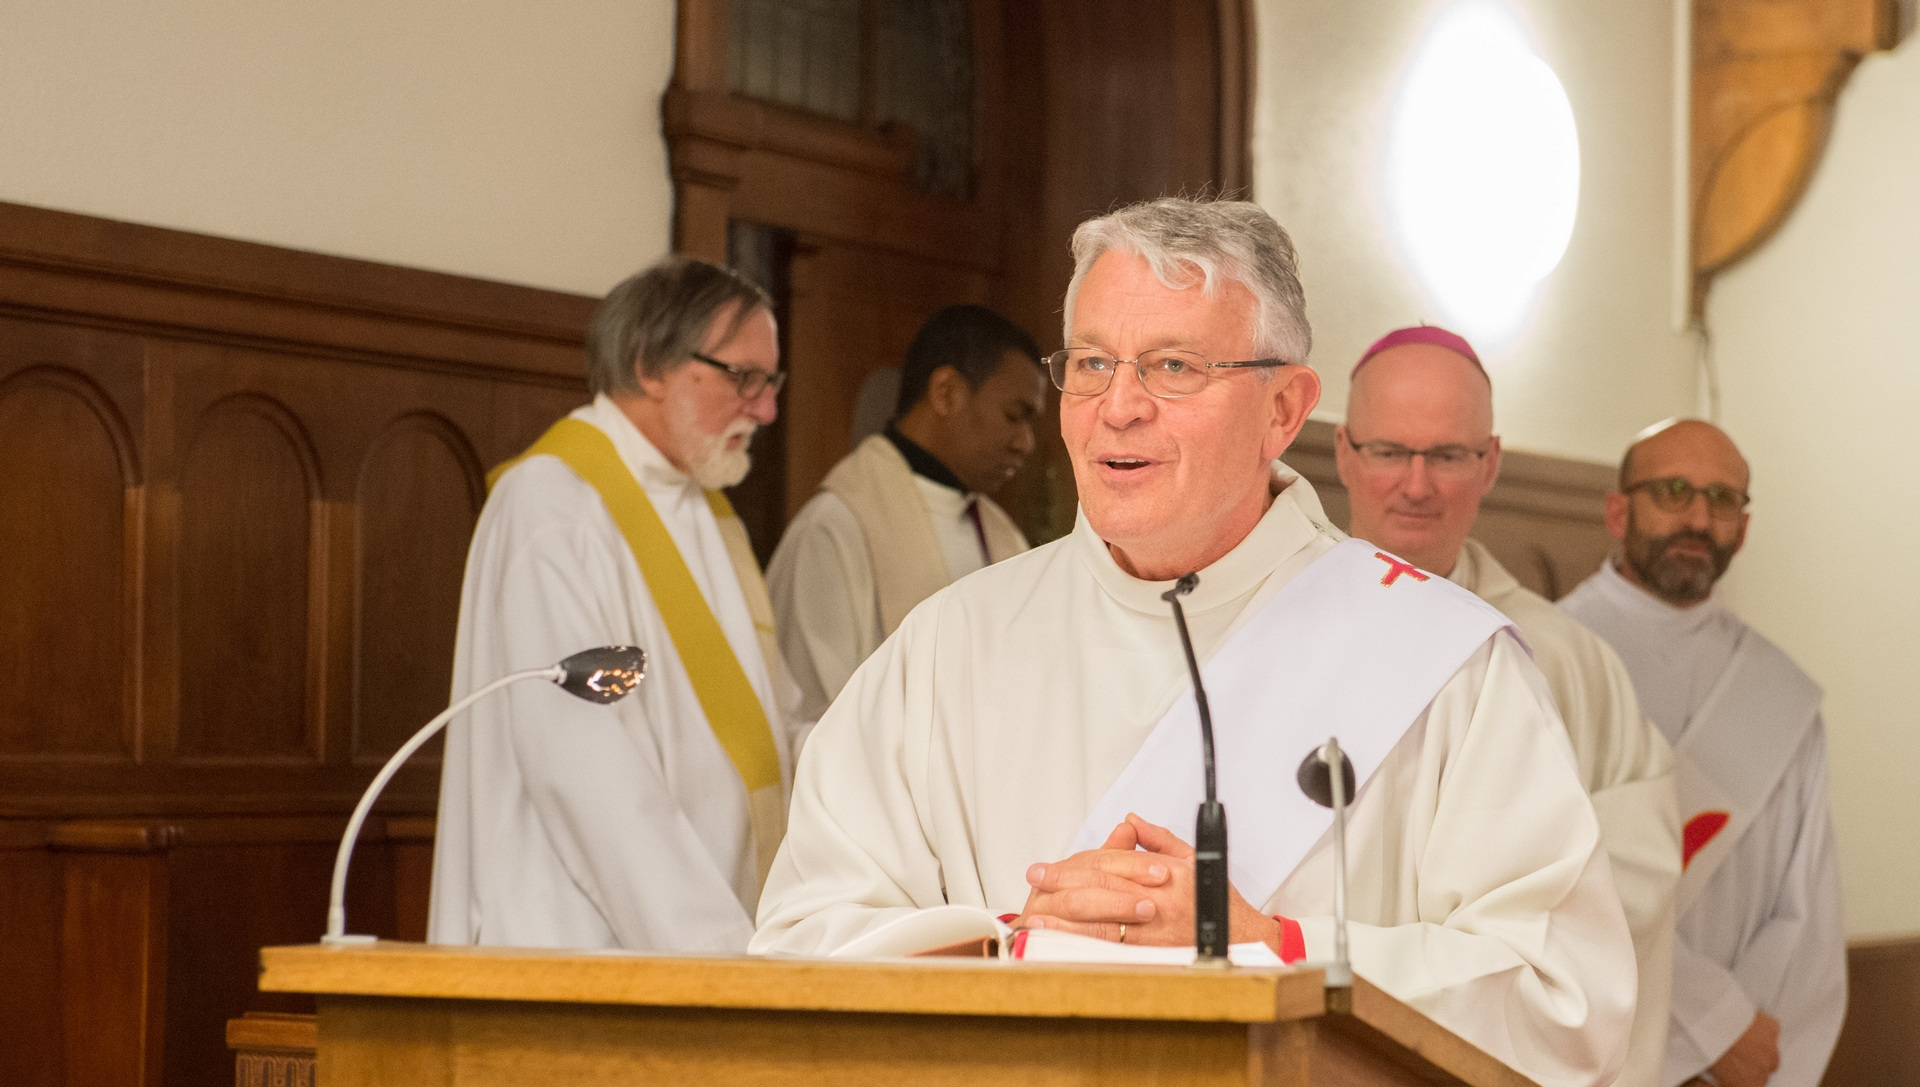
1223 240
656 320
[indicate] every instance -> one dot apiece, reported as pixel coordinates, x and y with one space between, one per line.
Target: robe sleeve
825 603
1795 967
857 851
1520 945
1709 1012
594 779
1635 800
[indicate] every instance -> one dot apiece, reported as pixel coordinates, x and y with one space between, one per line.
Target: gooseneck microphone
1210 895
604 675
1331 790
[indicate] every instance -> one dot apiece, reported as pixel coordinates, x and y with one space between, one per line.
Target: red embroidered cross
1395 568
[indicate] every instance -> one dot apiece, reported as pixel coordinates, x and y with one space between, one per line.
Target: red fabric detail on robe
1293 942
1700 830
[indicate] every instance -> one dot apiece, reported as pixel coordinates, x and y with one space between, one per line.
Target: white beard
711 464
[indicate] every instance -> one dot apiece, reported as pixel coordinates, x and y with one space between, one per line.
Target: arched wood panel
419 492
248 486
66 467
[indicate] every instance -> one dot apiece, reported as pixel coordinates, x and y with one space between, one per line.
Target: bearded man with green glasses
1760 983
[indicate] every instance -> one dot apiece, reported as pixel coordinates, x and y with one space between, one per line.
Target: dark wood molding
736 158
1239 61
78 268
1766 77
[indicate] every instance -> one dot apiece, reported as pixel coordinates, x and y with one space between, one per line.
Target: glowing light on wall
1482 168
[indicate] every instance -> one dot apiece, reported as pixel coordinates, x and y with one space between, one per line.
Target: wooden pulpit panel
488 1017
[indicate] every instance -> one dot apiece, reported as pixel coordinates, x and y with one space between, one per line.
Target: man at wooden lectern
1011 744
651 824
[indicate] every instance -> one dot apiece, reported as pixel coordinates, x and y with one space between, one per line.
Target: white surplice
1766 932
826 602
1627 767
977 739
568 824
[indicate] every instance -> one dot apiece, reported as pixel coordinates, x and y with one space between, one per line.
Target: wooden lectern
423 1016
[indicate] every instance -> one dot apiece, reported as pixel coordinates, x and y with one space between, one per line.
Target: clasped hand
1141 878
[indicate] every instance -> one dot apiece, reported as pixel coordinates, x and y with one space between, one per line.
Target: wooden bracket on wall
1766 76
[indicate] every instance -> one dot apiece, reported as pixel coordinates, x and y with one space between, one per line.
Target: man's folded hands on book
1137 888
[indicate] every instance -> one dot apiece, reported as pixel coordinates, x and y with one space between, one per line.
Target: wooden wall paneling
251 516
410 838
854 310
237 885
1238 63
875 253
31 896
191 397
1878 1046
113 958
418 494
67 470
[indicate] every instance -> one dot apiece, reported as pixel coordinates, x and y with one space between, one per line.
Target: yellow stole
726 696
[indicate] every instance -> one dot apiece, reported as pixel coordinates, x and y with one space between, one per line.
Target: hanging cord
1706 371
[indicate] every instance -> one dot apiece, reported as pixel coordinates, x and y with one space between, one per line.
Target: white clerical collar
1650 609
644 459
1281 533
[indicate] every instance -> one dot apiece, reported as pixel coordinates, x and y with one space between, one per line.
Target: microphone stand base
1216 962
349 940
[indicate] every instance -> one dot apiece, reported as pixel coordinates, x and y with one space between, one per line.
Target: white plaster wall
510 141
1600 358
1817 339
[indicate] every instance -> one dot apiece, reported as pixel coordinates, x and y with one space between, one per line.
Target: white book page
924 930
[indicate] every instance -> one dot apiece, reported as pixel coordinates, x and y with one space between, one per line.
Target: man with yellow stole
650 824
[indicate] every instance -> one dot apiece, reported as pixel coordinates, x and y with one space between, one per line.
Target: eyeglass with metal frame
1166 374
749 381
1453 459
1675 495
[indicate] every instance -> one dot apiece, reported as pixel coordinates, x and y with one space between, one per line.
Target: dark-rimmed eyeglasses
749 381
1080 371
1675 495
1441 460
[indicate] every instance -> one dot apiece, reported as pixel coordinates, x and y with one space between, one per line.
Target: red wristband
1293 942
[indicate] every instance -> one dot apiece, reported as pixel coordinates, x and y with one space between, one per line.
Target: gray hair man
1417 453
1760 955
1026 742
650 824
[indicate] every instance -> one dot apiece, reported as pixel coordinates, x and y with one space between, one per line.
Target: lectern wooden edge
475 1017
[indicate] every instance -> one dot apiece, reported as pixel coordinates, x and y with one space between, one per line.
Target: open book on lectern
971 932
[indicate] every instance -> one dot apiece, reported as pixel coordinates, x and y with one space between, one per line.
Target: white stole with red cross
1733 752
1355 647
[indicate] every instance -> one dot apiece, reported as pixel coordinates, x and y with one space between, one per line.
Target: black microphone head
1316 777
1186 584
603 675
